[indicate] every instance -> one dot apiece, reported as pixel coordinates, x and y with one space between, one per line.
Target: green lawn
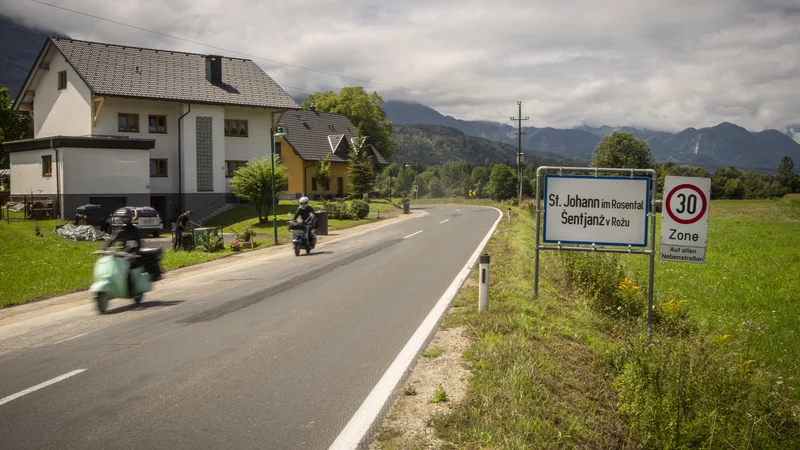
751 275
35 267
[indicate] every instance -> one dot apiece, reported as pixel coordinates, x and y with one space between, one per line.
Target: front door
340 186
159 203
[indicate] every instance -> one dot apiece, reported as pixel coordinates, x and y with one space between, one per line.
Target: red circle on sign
702 209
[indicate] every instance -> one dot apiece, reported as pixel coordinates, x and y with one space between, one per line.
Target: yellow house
311 136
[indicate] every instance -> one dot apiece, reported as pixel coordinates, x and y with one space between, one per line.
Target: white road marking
69 339
366 419
445 220
413 234
55 380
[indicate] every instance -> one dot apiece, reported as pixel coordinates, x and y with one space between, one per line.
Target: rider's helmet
123 216
303 202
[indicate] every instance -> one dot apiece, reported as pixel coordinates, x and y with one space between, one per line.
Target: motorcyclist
128 234
307 213
131 240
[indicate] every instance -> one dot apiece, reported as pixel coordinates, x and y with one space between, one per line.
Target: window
158 167
235 127
62 80
158 124
47 165
314 183
233 166
128 122
278 151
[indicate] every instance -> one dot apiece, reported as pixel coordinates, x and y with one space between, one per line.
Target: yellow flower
748 362
723 337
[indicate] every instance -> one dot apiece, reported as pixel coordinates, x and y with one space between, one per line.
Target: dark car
145 218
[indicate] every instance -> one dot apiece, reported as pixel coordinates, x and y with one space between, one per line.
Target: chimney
214 69
312 107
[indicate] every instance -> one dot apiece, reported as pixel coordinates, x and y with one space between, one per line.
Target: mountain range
722 145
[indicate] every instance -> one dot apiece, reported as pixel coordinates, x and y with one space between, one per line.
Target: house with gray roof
312 136
118 125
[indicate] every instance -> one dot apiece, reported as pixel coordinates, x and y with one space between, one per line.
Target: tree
405 180
624 151
13 125
502 182
437 191
786 175
480 175
363 110
360 172
253 183
324 172
734 188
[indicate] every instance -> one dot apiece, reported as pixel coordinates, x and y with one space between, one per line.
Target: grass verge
573 368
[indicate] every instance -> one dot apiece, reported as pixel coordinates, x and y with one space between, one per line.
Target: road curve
275 353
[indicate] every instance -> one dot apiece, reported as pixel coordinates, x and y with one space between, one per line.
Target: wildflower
723 337
748 362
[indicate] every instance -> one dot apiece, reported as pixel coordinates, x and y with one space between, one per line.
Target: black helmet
123 216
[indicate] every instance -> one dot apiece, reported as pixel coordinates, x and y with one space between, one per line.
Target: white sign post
684 220
583 209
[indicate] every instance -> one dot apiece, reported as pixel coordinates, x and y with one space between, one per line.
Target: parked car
145 218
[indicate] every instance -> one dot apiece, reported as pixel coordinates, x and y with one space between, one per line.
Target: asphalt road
271 353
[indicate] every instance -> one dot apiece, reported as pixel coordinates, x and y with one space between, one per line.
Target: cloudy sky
660 64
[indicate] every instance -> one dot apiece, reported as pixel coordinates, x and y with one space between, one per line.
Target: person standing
182 225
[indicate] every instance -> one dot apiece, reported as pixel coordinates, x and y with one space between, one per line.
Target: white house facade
117 126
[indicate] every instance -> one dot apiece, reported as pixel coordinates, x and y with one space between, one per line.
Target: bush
245 233
338 210
360 209
210 242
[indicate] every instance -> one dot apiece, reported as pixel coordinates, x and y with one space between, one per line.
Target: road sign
684 219
601 210
416 188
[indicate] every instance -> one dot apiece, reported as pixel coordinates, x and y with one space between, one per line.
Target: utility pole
519 149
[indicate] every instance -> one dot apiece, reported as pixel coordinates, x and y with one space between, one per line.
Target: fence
29 207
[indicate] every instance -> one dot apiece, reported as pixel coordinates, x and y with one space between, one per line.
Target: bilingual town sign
615 213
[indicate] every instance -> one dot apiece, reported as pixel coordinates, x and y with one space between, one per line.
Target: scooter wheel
102 302
296 249
138 298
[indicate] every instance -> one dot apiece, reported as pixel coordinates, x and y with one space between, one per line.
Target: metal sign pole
538 219
654 187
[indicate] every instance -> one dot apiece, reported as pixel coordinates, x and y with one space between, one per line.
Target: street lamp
277 131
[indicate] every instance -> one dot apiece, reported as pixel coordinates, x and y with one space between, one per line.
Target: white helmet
304 201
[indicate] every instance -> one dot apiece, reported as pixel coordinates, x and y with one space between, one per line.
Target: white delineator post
483 296
509 215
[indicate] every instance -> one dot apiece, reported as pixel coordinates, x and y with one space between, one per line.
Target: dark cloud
661 64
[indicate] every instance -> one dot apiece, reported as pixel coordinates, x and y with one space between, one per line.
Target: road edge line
368 416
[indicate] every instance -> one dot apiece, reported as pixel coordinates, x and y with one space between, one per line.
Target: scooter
299 240
114 278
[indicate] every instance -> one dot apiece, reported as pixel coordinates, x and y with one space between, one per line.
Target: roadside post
509 215
597 213
684 219
416 192
483 294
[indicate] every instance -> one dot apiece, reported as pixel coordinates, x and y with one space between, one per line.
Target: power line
262 58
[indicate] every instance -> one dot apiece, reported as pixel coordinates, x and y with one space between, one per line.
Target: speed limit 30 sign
684 219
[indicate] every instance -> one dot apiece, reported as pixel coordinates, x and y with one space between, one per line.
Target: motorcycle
299 238
114 276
